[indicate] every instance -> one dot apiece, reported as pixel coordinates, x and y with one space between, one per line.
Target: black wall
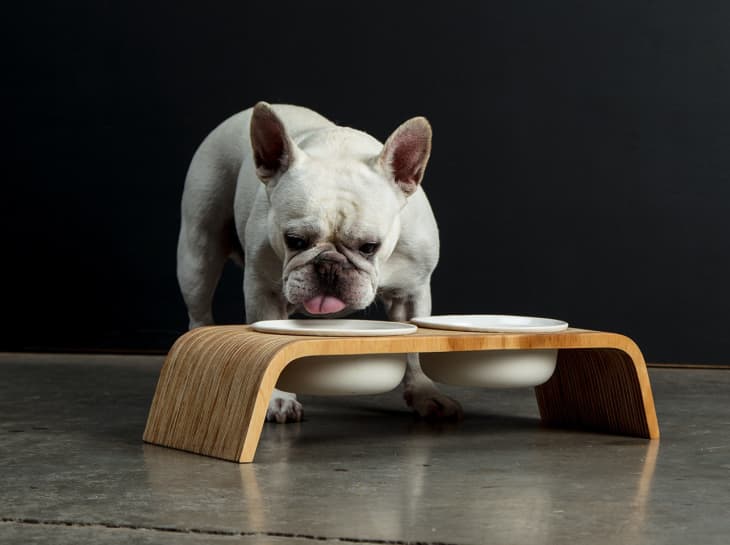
580 169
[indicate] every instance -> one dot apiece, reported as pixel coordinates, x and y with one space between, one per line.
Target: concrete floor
73 468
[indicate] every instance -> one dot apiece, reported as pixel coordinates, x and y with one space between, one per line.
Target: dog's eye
295 243
369 248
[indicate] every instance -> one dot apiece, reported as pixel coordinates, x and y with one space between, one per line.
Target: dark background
580 165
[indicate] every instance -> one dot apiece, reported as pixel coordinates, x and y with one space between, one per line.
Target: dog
323 218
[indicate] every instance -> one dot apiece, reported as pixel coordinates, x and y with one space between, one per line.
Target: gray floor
73 468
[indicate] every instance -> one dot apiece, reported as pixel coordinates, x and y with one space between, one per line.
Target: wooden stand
216 383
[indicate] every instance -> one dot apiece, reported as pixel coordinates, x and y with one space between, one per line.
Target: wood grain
216 382
599 389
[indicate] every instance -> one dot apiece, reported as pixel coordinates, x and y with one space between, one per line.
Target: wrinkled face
333 223
335 200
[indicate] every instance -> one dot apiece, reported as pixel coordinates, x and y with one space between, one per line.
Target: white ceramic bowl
340 375
490 368
343 375
334 327
492 323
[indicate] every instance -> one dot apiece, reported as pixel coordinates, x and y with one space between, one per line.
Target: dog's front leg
268 304
419 391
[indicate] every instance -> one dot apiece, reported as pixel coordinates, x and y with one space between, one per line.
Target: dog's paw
284 408
433 405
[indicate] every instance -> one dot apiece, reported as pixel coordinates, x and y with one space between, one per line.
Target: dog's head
335 201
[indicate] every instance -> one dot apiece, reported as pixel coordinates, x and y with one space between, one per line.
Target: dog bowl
334 327
490 368
343 375
492 323
340 375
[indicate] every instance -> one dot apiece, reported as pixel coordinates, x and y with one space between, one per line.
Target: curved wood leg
213 392
601 389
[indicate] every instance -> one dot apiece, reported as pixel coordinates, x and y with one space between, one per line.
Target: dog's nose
328 271
329 266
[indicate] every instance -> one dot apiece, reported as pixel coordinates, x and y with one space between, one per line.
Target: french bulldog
326 218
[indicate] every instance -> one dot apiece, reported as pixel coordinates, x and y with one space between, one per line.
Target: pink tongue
324 304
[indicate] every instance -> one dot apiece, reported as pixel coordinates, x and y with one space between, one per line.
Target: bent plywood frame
216 382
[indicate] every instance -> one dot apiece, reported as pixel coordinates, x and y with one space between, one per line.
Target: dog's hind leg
200 260
207 234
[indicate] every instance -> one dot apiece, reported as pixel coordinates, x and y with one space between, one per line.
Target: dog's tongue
324 304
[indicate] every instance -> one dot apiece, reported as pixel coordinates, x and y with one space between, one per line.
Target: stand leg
213 392
601 389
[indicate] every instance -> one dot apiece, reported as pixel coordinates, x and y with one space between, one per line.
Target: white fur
338 184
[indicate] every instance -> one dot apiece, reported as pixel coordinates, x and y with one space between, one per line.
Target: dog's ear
273 150
406 153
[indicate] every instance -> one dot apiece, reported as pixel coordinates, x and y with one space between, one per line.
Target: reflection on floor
74 469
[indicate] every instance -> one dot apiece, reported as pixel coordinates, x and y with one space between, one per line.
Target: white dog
327 217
